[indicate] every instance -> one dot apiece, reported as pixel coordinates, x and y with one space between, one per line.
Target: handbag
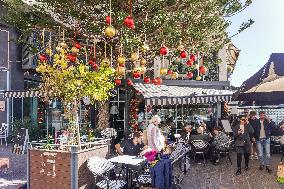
240 143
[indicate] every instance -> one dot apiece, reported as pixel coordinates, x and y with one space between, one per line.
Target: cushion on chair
113 184
98 165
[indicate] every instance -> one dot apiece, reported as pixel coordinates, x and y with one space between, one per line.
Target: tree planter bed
63 169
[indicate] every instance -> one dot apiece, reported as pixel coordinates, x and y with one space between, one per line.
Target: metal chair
4 132
200 147
100 167
226 150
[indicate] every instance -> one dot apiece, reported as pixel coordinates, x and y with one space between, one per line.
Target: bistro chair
226 150
100 167
200 147
4 132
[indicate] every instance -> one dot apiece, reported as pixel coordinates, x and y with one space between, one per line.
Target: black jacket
267 129
248 132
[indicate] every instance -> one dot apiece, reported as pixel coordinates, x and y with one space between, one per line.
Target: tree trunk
103 115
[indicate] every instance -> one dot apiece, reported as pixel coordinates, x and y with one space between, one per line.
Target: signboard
20 141
2 106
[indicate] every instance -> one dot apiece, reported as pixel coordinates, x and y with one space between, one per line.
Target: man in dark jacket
262 137
253 121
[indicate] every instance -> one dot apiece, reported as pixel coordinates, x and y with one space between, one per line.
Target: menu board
20 141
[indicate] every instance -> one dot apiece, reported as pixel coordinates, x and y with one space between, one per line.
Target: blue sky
264 37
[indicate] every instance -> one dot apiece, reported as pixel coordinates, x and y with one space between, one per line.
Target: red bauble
42 58
135 116
154 81
164 50
95 66
159 81
129 82
71 58
117 82
189 63
170 72
108 20
136 75
202 70
129 22
91 62
189 75
183 54
147 80
192 57
78 45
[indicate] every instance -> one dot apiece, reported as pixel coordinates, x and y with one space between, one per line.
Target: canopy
22 94
171 95
267 85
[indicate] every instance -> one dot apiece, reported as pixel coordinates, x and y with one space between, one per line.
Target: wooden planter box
53 169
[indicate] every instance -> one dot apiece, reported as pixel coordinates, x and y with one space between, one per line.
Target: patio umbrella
267 85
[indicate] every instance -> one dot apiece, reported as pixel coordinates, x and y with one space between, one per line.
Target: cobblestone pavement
221 176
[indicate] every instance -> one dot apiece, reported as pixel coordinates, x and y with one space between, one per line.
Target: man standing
262 137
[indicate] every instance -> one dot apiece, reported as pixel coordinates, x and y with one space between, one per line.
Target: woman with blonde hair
155 138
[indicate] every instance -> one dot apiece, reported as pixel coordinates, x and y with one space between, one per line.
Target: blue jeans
263 146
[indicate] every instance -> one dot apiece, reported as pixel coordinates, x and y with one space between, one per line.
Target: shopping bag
280 173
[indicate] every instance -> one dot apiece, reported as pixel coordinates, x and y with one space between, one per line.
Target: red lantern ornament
108 20
202 70
71 58
147 80
170 72
189 75
189 63
183 54
42 58
91 62
192 57
95 66
159 81
78 45
117 82
164 50
154 81
135 116
129 22
129 82
136 75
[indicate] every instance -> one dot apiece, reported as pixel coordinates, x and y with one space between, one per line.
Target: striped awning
23 94
171 95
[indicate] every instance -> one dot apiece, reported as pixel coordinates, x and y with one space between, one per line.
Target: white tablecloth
129 160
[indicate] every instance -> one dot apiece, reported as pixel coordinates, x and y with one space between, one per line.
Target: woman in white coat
155 138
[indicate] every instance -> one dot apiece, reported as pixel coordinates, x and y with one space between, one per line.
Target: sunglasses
243 119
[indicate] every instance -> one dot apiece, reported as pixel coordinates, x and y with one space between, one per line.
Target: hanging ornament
142 69
48 51
145 47
202 70
63 45
183 54
42 58
164 50
121 60
95 66
180 48
78 45
159 81
198 78
170 72
134 56
147 80
117 82
189 63
58 49
91 61
196 66
193 57
154 81
136 74
129 82
189 75
129 22
143 62
120 70
74 50
110 31
174 75
105 62
178 60
108 20
71 58
163 71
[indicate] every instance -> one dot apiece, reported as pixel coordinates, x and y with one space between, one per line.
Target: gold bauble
121 60
180 48
196 66
105 62
74 50
110 31
48 51
143 69
174 75
58 49
63 45
145 47
143 62
134 57
56 57
163 71
198 78
120 70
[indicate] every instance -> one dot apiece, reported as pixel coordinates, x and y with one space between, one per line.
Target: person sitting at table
185 135
132 147
200 136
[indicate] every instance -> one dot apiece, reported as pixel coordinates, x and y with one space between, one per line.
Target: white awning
170 95
23 94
